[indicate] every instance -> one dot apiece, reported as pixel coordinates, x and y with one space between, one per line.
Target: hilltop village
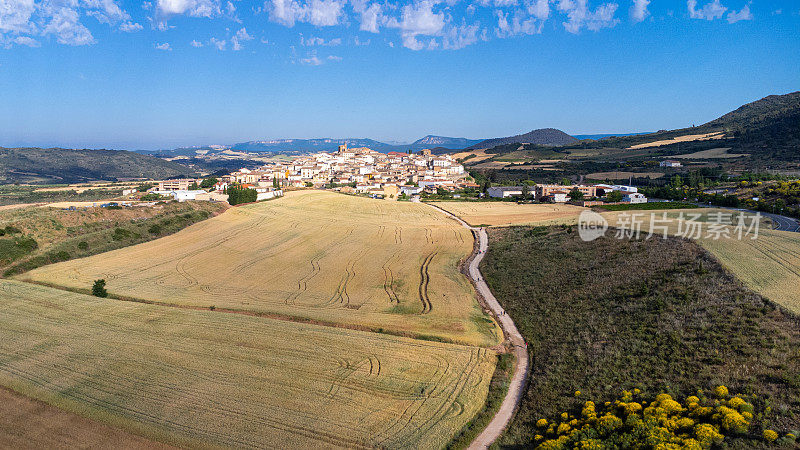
392 175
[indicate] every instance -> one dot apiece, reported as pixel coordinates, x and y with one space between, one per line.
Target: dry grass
622 175
713 153
684 138
480 155
504 214
770 264
201 378
314 255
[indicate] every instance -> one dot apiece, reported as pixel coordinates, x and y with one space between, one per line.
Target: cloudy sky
164 73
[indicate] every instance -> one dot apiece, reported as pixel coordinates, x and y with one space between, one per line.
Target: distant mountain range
442 144
542 136
59 165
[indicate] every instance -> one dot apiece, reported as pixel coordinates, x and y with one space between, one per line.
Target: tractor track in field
425 279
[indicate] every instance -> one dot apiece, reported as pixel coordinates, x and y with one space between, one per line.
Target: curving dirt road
513 337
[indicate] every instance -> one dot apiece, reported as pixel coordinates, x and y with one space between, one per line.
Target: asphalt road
513 337
783 223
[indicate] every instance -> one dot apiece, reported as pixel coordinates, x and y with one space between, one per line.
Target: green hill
58 165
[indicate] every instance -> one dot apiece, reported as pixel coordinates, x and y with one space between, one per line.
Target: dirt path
515 390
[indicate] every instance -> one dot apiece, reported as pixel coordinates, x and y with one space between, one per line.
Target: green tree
614 196
208 182
575 194
194 186
99 288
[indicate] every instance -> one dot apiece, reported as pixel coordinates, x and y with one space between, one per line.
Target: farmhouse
181 184
669 163
504 191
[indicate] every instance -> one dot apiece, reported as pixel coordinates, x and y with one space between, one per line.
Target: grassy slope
660 315
61 235
71 166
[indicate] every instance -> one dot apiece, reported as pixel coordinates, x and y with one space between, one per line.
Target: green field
201 378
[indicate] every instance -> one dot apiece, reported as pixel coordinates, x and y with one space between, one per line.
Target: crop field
769 264
202 378
319 256
503 213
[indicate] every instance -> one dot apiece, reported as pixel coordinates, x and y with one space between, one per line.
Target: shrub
120 234
83 245
665 423
154 229
99 288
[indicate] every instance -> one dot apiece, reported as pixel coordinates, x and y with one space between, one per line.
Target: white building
634 197
669 163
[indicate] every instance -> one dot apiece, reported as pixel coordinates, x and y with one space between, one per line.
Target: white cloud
743 14
105 11
520 24
639 10
322 13
539 9
579 15
218 44
27 41
64 24
316 41
130 27
196 44
710 11
418 19
455 38
194 8
334 58
239 37
165 46
312 60
15 15
371 15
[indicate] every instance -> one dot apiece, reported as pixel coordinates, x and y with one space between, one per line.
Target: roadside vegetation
657 315
11 194
32 236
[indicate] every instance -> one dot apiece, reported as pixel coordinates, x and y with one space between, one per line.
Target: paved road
517 385
783 223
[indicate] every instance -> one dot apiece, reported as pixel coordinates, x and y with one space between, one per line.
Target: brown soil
26 423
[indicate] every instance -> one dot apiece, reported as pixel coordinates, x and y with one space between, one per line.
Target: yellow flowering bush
770 435
629 421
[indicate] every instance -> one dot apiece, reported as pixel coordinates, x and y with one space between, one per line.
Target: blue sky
167 73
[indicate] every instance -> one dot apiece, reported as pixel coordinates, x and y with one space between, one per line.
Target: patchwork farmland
507 213
315 256
202 378
770 264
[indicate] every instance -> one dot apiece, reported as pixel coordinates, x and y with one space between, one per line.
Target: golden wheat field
202 378
505 213
315 255
769 264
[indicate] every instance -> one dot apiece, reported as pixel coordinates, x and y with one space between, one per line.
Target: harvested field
504 213
30 424
623 175
480 155
684 138
319 256
713 153
770 264
202 378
